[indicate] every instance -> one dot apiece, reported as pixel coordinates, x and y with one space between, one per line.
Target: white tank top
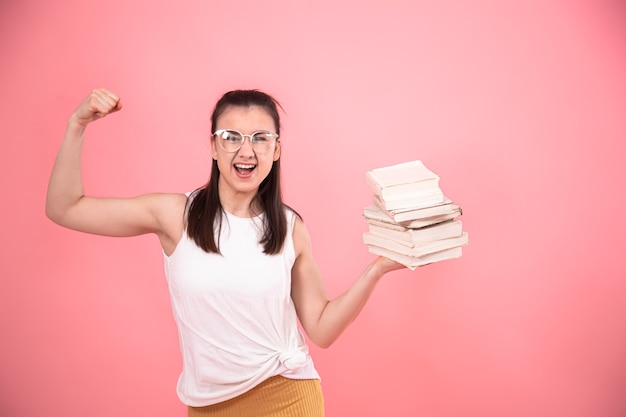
236 320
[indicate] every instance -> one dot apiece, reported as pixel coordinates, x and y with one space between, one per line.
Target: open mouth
244 169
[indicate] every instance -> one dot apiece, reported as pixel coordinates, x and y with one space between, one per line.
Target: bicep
118 216
307 287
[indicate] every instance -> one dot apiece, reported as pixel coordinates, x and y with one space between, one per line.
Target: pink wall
520 109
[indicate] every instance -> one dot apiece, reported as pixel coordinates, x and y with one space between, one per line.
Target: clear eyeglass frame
231 140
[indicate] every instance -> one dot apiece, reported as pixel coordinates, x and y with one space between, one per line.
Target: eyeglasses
232 140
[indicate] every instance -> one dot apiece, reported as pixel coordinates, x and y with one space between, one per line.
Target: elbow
55 214
55 218
51 214
61 211
323 342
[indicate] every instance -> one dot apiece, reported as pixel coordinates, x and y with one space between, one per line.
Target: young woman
238 262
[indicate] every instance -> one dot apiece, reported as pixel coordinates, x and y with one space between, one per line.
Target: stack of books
411 221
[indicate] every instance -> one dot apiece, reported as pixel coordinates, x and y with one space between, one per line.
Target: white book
411 213
413 224
417 250
413 237
413 200
401 180
415 218
413 262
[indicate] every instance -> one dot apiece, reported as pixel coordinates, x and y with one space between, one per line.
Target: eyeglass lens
232 140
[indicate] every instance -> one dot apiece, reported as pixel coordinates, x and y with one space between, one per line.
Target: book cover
417 250
412 237
378 212
397 180
407 201
413 224
413 262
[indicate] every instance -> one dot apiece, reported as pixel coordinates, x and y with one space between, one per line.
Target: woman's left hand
386 265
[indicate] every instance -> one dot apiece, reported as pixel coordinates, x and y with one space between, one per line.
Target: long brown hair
205 212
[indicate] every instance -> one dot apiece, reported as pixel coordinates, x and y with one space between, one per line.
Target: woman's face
244 170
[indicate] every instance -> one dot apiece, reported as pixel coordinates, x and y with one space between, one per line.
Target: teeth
242 166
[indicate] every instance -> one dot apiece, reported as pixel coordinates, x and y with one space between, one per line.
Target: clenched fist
99 103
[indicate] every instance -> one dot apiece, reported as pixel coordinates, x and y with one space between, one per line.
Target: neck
240 204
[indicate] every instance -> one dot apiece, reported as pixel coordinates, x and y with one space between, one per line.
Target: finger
118 106
105 96
109 93
103 105
104 102
388 265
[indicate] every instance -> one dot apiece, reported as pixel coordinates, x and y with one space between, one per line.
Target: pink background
520 108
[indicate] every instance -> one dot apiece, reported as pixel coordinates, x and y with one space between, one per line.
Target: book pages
412 221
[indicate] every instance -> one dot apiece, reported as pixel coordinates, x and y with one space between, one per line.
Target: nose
246 146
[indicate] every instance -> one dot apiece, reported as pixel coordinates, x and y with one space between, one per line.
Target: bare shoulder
301 237
170 212
170 203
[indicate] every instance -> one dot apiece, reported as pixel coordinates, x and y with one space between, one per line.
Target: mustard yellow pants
275 397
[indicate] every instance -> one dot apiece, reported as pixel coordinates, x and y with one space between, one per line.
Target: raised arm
323 319
67 205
